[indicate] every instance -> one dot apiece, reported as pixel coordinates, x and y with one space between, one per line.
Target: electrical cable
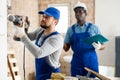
24 62
26 30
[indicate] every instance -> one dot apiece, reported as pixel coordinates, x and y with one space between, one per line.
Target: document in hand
96 38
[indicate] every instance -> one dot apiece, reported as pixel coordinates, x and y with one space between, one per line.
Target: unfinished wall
71 3
30 8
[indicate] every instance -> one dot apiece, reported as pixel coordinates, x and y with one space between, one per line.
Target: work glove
20 29
96 45
67 58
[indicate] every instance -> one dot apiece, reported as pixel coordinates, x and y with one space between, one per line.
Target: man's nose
43 19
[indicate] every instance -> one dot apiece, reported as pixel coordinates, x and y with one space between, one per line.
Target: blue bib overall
43 69
84 54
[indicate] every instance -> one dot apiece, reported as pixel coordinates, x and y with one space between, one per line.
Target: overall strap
89 25
73 28
38 37
54 33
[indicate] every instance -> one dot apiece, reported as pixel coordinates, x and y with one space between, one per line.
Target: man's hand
20 29
19 32
97 45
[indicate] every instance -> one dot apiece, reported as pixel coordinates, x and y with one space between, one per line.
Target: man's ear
56 22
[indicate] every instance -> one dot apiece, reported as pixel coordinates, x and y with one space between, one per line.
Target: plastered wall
107 16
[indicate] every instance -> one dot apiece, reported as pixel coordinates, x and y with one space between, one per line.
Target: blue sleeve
98 30
94 30
68 36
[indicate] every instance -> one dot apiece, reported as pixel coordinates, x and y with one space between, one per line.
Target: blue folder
96 38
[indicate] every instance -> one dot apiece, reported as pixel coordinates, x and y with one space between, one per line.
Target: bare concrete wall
28 8
71 3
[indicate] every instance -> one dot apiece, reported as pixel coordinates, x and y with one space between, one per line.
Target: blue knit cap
51 11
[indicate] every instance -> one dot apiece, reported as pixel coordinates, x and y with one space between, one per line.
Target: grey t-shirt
51 49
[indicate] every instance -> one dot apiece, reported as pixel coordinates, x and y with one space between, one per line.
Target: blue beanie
51 11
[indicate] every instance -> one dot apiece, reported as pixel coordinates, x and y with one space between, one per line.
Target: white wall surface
107 17
3 40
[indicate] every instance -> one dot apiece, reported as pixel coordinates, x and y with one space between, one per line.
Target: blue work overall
84 54
43 69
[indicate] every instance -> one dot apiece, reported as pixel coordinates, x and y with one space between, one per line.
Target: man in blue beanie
48 46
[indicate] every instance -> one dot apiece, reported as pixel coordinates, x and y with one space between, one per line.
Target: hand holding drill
21 29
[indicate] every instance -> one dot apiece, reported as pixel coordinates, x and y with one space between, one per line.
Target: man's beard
44 26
